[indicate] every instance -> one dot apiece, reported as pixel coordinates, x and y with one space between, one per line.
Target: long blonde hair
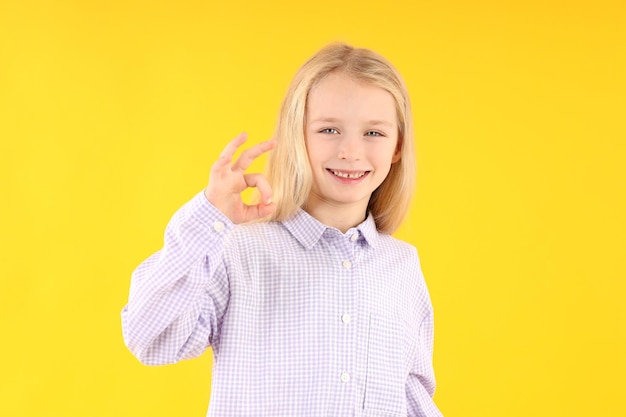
288 168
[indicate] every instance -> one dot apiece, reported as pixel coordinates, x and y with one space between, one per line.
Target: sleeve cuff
206 213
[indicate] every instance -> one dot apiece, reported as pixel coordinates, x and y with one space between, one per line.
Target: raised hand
228 180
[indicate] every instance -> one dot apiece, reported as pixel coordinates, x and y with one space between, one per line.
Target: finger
258 211
249 155
229 151
259 182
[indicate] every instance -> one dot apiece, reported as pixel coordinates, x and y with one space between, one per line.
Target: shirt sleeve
179 294
420 386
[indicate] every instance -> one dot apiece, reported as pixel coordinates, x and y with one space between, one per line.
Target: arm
179 295
420 386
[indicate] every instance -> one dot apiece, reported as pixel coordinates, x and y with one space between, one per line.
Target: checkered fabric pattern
303 320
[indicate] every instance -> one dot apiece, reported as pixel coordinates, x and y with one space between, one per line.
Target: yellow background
111 114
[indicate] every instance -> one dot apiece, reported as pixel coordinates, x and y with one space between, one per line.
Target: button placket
344 248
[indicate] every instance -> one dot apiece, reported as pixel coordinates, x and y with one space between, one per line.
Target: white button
354 237
218 226
345 377
347 264
346 318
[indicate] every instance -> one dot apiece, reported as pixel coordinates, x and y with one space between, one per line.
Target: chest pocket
386 371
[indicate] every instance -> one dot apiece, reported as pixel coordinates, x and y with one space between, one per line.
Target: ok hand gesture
228 180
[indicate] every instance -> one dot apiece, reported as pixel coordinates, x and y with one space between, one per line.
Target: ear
397 154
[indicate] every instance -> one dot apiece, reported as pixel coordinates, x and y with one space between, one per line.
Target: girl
316 310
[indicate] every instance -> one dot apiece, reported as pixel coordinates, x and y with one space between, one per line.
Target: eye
373 133
329 130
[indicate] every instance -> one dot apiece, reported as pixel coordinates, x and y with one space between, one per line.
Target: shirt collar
308 230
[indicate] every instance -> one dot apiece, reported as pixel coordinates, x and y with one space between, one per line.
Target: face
351 134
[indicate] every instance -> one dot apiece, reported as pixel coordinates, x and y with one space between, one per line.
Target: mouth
351 175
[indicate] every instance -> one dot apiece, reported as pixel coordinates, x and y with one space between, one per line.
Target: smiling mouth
353 175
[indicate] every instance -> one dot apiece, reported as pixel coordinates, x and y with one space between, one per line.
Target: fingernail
268 201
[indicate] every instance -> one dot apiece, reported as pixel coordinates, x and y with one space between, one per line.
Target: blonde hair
288 169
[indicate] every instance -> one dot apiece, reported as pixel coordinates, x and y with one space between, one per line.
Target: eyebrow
335 120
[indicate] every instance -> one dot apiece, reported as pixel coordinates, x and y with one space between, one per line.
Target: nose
350 147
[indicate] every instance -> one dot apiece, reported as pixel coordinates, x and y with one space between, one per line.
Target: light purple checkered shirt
303 319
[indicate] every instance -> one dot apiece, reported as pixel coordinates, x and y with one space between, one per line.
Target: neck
340 217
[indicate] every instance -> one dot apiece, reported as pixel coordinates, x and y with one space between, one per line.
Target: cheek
387 155
317 153
312 155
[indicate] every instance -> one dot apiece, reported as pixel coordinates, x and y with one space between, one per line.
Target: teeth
347 175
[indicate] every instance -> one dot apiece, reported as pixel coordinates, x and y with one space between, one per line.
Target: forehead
338 96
